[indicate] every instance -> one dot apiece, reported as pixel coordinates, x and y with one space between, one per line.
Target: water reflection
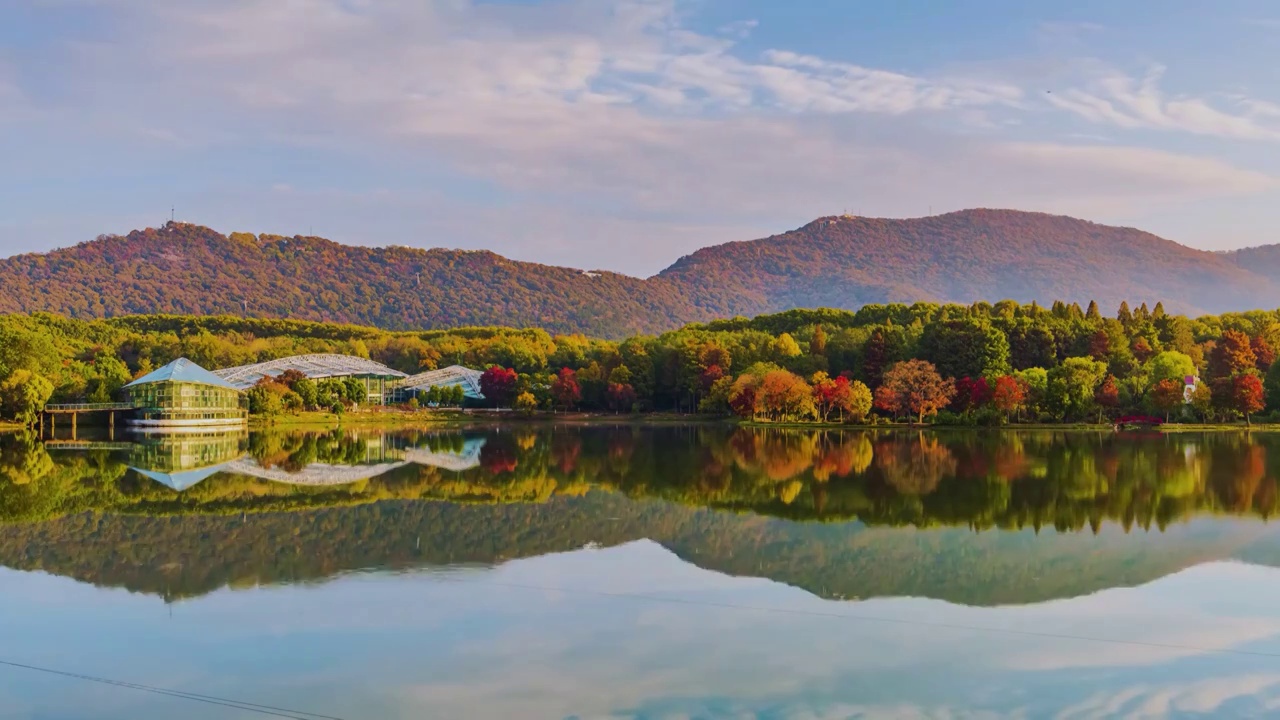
645 572
842 514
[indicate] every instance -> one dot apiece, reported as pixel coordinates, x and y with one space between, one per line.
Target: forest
981 364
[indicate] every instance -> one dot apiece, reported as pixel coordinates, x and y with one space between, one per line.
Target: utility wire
866 618
196 697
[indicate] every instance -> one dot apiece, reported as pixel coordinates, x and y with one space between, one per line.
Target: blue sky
623 134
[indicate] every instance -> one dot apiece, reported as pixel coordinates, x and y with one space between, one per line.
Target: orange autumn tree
915 387
786 396
1009 394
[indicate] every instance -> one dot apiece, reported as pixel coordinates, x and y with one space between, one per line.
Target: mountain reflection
839 513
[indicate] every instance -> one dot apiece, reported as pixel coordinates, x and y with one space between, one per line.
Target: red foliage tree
498 385
1263 353
621 397
565 389
1009 394
743 401
1099 345
971 394
887 401
1247 395
1167 395
1107 396
709 376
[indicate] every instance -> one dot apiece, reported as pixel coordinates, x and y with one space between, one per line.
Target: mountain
188 269
966 256
841 262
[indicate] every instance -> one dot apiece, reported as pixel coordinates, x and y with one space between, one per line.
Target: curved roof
183 370
316 366
453 375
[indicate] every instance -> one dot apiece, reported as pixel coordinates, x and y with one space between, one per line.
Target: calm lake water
626 572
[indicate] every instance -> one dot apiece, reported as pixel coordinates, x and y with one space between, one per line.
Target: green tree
1170 365
354 390
965 348
1071 386
23 395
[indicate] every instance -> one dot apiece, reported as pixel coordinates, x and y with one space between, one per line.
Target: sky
623 134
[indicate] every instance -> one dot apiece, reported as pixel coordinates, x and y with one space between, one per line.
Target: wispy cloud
1129 102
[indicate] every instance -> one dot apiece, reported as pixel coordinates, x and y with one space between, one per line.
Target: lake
698 571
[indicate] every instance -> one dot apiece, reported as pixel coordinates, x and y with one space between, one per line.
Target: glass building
374 376
184 395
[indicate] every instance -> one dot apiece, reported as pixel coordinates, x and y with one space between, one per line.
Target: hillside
841 262
966 256
190 269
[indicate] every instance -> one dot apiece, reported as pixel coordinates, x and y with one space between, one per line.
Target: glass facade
169 400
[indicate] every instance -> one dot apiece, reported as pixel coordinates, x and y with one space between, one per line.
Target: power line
195 697
871 618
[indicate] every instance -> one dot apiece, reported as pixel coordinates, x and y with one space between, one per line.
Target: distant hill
966 256
841 262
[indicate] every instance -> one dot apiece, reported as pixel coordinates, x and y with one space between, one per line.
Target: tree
1031 344
526 403
824 391
264 400
1141 349
915 386
1271 386
1124 315
785 346
1071 385
858 404
1170 365
23 395
965 348
1107 396
1167 395
354 390
1263 353
620 397
744 396
1035 382
565 389
306 389
1009 394
818 344
1247 395
1232 354
1099 345
971 394
1093 313
786 396
498 385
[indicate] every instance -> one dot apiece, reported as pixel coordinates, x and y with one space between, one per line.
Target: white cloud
1126 102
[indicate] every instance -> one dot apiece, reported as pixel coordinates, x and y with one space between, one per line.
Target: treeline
984 363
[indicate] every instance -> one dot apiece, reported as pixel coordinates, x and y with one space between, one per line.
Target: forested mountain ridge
188 269
839 262
963 257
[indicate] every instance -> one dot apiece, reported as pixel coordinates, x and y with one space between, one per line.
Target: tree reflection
1069 481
